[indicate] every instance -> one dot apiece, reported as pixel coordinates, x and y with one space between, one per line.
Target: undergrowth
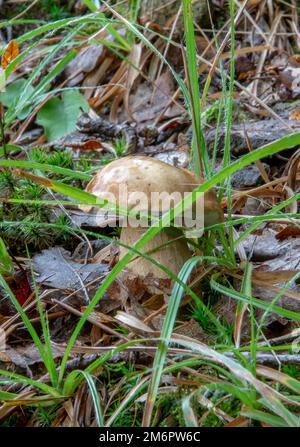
233 384
31 207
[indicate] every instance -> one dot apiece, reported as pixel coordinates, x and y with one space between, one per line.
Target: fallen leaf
244 67
25 356
89 145
148 100
290 78
95 77
193 329
289 231
86 61
56 269
273 277
294 115
11 52
20 286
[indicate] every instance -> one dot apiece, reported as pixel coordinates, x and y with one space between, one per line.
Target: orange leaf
89 145
294 115
11 52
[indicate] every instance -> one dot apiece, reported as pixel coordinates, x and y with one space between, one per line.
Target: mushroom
131 183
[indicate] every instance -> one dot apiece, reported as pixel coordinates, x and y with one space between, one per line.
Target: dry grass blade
130 396
242 307
279 377
133 73
189 415
215 63
133 322
261 63
91 319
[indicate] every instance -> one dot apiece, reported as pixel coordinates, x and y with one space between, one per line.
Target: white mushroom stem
172 252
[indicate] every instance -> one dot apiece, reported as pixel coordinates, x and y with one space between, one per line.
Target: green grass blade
28 325
262 416
6 264
136 390
268 307
44 167
45 329
166 333
95 397
200 154
17 378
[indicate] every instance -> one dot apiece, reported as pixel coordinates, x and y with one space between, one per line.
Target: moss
292 370
32 215
50 10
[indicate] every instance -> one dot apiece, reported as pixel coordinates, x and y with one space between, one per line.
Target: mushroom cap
126 176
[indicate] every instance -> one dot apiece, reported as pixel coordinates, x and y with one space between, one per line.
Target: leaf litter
131 105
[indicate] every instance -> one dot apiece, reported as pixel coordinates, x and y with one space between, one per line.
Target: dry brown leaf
90 145
25 356
4 358
148 101
155 302
289 231
294 115
273 277
239 421
11 52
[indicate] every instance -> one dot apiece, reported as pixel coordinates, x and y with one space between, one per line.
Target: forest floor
218 93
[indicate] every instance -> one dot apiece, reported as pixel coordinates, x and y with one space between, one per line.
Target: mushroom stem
164 248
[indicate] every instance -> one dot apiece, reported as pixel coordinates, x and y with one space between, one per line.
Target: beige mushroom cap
137 174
